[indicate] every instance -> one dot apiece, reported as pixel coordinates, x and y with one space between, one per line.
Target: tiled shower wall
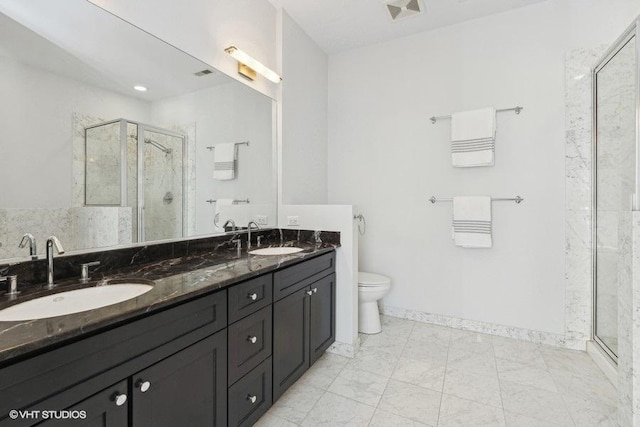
621 229
164 174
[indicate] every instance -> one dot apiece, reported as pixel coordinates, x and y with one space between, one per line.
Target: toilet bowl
371 288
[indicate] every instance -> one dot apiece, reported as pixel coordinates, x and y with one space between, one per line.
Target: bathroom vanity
214 345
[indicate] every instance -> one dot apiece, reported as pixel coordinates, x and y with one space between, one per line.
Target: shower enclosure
614 183
131 164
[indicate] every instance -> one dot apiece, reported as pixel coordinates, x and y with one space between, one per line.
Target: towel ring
362 224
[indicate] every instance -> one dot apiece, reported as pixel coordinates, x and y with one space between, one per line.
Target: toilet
371 288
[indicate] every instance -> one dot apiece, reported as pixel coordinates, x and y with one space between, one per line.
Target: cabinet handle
309 293
143 385
119 398
252 339
252 297
252 399
315 290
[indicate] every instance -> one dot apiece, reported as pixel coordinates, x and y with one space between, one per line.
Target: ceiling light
248 66
140 88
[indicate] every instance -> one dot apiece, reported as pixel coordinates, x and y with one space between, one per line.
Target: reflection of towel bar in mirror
516 199
235 202
517 110
212 147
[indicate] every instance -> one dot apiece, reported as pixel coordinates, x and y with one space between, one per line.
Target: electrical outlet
262 219
293 220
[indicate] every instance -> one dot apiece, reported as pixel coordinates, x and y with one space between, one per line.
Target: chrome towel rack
235 202
516 110
516 199
212 147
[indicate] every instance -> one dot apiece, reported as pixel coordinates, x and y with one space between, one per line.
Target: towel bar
516 199
212 147
235 202
517 110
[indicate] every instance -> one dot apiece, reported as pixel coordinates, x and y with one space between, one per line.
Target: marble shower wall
618 226
578 124
77 228
164 175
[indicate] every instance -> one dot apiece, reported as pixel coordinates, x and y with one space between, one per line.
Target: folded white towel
473 138
224 163
219 222
472 221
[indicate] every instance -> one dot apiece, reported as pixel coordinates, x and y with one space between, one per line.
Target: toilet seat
371 279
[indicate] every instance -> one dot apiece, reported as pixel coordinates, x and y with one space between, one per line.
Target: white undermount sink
75 301
276 251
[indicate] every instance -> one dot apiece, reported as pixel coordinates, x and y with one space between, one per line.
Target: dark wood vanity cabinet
303 320
217 360
186 389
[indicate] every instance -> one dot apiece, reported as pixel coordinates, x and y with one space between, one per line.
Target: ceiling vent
203 73
399 9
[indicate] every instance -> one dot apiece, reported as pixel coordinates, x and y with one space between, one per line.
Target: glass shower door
614 185
163 166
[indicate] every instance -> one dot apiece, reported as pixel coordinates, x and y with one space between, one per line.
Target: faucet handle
12 284
84 270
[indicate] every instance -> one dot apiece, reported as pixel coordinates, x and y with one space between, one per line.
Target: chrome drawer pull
252 399
252 339
143 385
120 399
252 297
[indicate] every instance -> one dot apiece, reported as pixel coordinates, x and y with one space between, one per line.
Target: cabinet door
186 389
322 322
290 340
108 408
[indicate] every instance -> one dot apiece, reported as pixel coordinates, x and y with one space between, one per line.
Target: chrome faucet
230 222
51 241
249 235
33 248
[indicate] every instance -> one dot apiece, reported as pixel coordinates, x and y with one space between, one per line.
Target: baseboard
603 361
344 349
486 328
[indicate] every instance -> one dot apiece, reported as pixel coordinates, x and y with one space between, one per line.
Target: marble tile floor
416 374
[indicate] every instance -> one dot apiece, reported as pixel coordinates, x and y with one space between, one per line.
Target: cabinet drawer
250 397
289 280
250 296
249 343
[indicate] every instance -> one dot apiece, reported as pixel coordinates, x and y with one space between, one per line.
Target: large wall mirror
90 157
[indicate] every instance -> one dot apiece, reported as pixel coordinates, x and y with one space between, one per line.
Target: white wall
386 157
335 218
36 141
304 117
204 28
228 113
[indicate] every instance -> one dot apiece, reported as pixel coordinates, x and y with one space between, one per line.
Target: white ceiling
78 40
339 25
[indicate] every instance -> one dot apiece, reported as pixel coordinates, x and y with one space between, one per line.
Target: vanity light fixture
140 88
248 66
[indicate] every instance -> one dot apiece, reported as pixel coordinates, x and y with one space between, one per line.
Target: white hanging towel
220 203
472 221
224 163
473 136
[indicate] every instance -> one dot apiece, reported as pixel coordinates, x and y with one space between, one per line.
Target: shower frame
142 127
632 32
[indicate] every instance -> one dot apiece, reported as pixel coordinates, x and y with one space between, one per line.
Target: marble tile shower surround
155 161
619 247
77 228
32 274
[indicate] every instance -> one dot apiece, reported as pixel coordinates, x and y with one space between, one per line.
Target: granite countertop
174 280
